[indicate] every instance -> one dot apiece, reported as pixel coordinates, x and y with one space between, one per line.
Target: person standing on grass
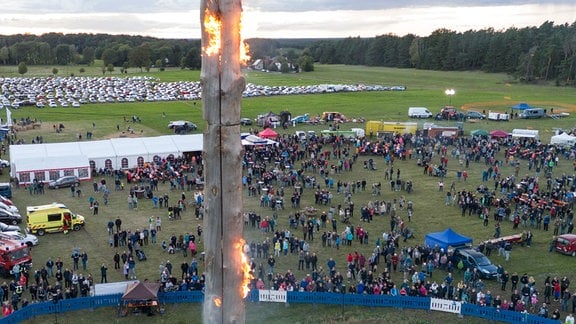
126 270
118 223
103 270
117 260
84 257
95 206
131 268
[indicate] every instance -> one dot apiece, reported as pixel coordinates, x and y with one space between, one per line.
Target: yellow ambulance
52 218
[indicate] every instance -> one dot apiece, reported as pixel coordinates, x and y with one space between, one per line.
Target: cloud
279 19
331 5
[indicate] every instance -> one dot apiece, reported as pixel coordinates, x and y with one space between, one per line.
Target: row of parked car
9 220
74 91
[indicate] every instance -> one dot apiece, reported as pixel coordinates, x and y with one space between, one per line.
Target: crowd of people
518 201
388 262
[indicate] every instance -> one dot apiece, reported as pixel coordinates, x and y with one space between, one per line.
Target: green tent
479 132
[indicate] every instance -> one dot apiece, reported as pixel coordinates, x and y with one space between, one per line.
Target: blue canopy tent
522 106
446 238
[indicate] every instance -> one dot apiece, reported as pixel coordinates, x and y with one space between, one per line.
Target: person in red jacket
7 309
556 290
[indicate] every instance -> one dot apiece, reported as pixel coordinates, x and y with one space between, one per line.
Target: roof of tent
446 238
531 133
563 139
189 143
30 164
128 147
522 106
96 149
62 149
268 133
141 291
110 148
160 145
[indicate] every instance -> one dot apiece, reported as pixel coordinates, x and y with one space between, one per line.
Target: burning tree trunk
222 86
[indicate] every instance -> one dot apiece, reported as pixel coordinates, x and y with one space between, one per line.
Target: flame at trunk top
213 27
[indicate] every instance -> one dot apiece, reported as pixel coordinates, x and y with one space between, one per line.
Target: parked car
419 112
476 260
4 163
245 121
9 228
182 123
28 239
6 201
475 115
65 181
450 113
10 218
566 244
300 119
10 208
182 126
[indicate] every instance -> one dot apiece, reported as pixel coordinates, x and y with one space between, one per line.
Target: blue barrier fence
68 305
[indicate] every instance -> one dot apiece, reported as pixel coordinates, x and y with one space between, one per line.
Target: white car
28 239
4 163
9 228
10 208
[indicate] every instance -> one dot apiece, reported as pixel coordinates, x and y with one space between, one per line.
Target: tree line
531 54
116 50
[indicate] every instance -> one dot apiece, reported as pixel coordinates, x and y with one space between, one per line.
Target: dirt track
498 105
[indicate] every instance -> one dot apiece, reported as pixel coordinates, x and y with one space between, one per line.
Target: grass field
425 88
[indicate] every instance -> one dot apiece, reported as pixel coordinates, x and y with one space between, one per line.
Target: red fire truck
13 253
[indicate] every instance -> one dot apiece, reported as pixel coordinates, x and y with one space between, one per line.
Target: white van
533 113
419 112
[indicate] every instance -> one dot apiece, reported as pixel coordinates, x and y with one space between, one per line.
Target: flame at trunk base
246 269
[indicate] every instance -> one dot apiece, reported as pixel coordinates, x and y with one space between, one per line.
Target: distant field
425 88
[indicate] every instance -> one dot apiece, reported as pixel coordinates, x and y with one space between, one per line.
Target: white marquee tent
525 133
563 140
52 160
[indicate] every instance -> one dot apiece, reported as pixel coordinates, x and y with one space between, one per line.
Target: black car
182 126
66 181
10 218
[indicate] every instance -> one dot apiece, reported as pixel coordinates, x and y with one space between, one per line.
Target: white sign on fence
273 296
444 305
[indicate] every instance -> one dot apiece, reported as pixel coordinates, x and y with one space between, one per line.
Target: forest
546 53
531 54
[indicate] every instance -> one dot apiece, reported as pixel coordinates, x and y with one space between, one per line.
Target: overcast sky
281 18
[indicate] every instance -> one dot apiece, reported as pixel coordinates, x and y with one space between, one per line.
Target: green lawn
425 88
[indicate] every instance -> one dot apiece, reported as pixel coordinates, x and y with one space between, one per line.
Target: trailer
375 127
497 116
438 131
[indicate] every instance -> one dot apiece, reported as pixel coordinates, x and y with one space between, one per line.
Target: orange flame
212 25
245 288
217 301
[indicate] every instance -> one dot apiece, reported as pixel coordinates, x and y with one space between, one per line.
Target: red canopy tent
268 133
498 133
